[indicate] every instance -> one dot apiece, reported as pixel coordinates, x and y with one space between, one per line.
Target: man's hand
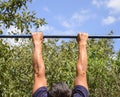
82 38
37 38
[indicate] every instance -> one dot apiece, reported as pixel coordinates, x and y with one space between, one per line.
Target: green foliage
60 59
15 71
15 13
103 75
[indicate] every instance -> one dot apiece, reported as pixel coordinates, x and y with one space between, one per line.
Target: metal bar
60 36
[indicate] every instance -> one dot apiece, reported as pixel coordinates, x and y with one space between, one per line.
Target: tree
60 60
13 77
15 13
102 70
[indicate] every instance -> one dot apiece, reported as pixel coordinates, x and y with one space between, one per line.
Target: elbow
81 74
39 70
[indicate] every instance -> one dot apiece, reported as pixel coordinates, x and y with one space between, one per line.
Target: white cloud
119 18
99 3
47 29
50 30
46 9
66 24
76 19
114 6
84 11
109 20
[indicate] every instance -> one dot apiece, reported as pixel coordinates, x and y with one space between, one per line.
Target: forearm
38 64
82 59
81 67
39 68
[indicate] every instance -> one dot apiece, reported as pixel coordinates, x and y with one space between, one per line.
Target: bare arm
81 66
38 64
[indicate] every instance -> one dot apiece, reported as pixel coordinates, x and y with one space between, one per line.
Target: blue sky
68 17
96 17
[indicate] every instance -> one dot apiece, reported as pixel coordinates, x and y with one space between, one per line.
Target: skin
39 68
38 64
81 67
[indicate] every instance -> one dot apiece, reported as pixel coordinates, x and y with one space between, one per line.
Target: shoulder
79 91
41 92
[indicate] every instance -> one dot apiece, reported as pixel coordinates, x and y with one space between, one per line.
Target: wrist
37 42
38 45
38 48
83 43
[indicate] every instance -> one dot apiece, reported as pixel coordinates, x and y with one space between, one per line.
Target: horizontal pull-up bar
60 36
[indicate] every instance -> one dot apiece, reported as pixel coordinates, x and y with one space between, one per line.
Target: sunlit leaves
60 59
15 13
